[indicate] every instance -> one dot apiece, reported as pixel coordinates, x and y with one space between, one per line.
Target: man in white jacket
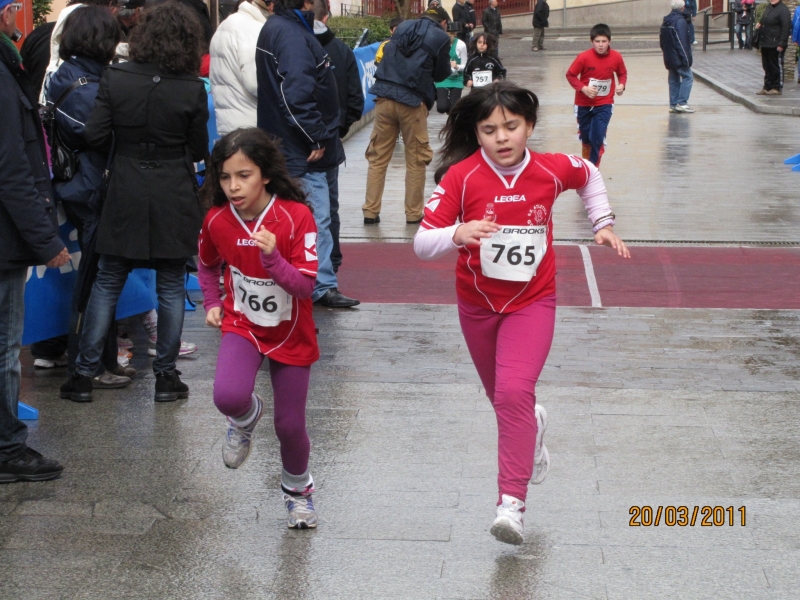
234 86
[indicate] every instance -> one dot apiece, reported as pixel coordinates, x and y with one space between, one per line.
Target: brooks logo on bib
514 253
262 301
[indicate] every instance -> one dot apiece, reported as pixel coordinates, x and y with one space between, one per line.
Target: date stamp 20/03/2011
682 516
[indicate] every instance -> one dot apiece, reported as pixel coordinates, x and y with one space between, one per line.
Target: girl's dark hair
258 146
289 4
491 43
90 32
170 36
460 133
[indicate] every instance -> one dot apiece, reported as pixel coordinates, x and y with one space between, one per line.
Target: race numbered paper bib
603 86
262 301
481 78
514 253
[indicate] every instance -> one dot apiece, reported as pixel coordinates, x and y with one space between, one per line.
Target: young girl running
483 67
494 204
260 226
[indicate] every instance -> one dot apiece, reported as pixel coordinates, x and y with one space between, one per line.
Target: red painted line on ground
655 277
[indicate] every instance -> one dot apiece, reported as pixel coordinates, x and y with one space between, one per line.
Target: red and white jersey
524 200
226 237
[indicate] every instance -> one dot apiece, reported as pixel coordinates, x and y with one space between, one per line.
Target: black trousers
772 61
446 98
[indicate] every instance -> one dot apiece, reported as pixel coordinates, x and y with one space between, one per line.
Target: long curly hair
260 148
169 35
460 133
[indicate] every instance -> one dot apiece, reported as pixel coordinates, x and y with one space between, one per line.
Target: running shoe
46 363
508 524
123 361
110 381
186 348
123 341
301 512
684 108
541 457
239 440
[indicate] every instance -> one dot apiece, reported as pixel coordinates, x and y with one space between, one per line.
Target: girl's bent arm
595 199
291 280
430 244
208 278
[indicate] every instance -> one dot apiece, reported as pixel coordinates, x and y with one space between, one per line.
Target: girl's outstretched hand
214 317
264 239
607 237
473 231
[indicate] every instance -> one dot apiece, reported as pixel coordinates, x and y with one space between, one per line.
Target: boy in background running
592 75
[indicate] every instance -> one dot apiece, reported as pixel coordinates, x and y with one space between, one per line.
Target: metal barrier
707 16
351 10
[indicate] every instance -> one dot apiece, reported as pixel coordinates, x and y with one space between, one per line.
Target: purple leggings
509 351
237 365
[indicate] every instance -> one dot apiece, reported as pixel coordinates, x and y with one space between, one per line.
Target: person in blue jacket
297 103
677 50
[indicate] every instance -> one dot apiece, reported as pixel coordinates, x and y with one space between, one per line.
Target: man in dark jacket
541 14
676 46
417 55
463 13
351 105
492 24
296 103
28 236
775 26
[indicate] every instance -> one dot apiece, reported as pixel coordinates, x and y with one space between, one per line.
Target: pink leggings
237 365
509 351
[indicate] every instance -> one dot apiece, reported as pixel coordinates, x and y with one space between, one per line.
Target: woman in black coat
154 109
774 29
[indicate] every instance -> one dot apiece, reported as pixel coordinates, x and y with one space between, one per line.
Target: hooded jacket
234 85
296 88
417 56
675 42
541 14
28 222
345 71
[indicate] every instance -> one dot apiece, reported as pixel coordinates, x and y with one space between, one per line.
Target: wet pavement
649 406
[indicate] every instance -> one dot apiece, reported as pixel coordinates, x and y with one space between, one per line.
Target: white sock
247 418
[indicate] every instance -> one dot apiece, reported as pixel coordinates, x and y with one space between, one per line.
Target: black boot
169 387
29 465
78 388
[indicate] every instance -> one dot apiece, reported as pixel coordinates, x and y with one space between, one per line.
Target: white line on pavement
591 280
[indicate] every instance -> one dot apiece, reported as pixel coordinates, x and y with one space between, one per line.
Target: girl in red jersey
494 203
260 226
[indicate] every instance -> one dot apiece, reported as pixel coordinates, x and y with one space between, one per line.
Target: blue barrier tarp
48 292
365 58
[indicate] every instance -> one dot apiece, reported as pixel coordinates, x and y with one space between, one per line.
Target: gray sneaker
684 108
238 440
109 381
301 512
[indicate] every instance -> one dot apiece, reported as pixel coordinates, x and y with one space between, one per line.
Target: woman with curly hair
153 112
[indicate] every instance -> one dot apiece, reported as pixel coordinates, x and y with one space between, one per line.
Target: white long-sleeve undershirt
430 244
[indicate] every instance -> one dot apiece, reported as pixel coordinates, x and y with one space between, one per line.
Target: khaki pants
538 39
390 118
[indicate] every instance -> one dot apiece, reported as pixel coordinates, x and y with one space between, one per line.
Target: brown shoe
762 92
774 92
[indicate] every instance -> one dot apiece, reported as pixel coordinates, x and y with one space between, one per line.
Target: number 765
513 256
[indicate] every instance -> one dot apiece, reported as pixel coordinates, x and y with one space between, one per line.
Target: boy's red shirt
591 65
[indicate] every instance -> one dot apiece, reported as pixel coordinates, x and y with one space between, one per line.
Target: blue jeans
680 86
13 432
316 186
747 28
332 175
593 123
102 308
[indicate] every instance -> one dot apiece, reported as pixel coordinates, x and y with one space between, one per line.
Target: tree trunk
403 8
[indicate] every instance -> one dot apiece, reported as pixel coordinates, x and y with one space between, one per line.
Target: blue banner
365 59
48 292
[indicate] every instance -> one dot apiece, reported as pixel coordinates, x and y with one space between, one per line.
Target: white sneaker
508 524
541 457
238 440
301 512
186 348
45 363
684 108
